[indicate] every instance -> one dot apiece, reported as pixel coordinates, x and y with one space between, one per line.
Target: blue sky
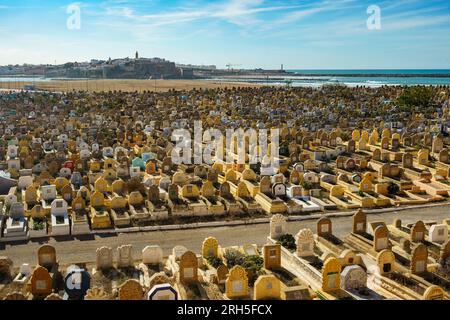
303 34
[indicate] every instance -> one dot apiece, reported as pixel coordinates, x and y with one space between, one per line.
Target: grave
296 293
40 284
304 240
385 261
324 227
272 256
353 277
444 256
438 233
47 256
6 265
104 258
222 273
277 226
236 285
96 293
60 218
125 256
381 238
152 255
210 247
188 267
158 278
131 290
267 287
417 232
359 222
419 257
331 275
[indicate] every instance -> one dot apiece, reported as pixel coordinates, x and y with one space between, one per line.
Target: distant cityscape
124 68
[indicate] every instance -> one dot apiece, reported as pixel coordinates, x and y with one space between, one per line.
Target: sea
369 78
316 78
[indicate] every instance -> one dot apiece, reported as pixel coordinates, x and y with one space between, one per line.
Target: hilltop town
83 165
129 68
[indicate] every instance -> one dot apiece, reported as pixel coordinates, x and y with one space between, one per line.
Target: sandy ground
123 85
82 249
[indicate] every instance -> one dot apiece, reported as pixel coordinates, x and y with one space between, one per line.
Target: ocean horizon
319 77
368 77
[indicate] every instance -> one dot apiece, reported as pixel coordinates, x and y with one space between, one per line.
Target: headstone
158 278
188 268
331 275
279 190
418 232
443 155
305 243
264 185
6 265
359 222
353 277
236 285
131 290
405 244
178 251
407 160
297 293
445 254
381 238
324 227
434 292
47 256
15 296
153 193
222 273
386 261
277 226
267 287
104 258
96 293
419 257
41 283
125 256
152 255
272 256
53 296
210 247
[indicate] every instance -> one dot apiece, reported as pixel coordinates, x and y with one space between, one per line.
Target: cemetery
72 180
77 165
370 263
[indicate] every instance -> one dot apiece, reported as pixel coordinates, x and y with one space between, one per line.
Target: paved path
82 249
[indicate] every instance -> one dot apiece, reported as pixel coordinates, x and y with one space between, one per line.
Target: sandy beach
123 85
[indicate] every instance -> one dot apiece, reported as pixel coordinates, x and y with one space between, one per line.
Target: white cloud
239 12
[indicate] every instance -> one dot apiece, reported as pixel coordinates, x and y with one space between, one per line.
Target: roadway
82 249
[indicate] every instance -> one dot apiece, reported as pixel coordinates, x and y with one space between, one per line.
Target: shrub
253 265
214 261
306 185
393 189
234 257
288 241
38 225
253 262
417 97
